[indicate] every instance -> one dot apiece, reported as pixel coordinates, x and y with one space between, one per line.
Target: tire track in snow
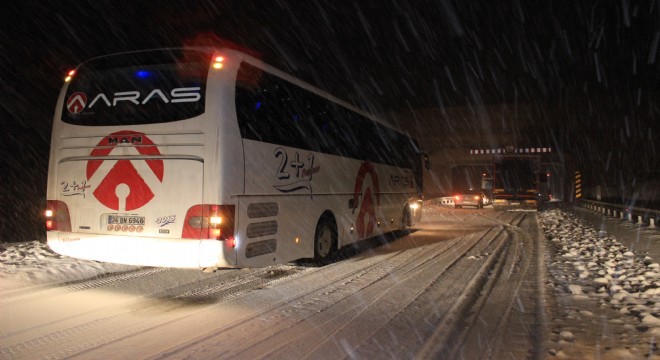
46 291
375 323
72 341
504 318
105 319
334 309
438 306
300 302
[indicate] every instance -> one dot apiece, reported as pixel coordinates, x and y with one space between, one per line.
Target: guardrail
633 214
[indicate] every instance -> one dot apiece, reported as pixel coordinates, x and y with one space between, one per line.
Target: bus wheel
325 241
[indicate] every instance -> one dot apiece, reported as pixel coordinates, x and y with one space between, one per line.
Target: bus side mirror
352 204
427 162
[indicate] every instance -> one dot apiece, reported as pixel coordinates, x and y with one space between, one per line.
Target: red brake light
57 216
209 222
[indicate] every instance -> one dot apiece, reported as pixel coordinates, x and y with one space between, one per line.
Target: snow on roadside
592 267
34 263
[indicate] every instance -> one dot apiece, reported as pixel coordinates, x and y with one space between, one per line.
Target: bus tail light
57 216
210 222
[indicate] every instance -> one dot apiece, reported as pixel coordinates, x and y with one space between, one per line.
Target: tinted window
137 88
273 110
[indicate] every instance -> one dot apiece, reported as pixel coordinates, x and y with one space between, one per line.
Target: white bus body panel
302 185
130 184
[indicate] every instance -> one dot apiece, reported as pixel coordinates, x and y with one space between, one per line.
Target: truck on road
516 182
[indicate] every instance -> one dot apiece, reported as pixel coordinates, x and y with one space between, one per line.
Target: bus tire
325 241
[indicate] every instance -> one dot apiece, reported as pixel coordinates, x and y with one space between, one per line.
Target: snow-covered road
466 284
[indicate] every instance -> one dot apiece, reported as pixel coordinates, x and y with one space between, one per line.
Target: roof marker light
69 75
218 62
142 74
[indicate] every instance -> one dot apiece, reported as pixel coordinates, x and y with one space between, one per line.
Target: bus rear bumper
143 251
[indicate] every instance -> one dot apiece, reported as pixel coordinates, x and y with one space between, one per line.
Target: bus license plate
125 220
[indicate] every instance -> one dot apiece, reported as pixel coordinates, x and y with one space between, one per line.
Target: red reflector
49 224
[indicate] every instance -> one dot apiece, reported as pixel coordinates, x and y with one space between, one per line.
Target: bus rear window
138 88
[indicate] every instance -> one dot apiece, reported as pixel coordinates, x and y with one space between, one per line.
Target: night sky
589 68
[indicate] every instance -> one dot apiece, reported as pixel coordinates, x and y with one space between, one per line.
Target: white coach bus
209 158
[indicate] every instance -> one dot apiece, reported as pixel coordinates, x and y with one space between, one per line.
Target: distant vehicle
515 182
487 199
545 197
209 158
471 197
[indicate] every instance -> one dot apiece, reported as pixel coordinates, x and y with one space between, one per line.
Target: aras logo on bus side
366 219
122 186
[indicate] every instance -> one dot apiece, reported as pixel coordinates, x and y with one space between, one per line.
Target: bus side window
247 104
324 128
348 133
